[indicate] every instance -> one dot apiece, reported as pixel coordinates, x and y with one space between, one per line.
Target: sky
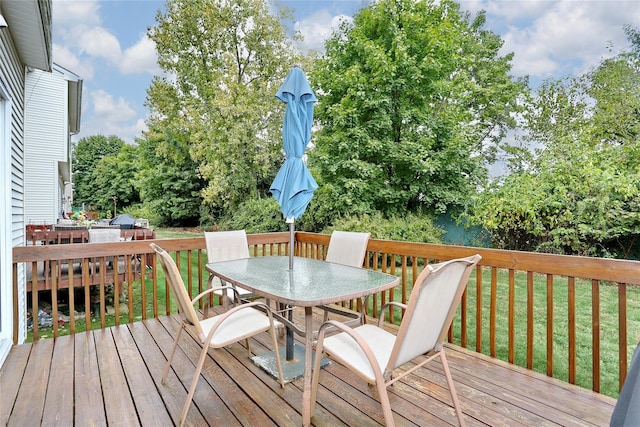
105 43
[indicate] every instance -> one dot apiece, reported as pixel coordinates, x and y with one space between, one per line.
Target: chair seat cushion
345 349
239 325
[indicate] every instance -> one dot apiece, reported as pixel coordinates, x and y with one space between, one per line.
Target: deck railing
515 300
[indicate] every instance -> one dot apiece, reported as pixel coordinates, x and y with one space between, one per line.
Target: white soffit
29 22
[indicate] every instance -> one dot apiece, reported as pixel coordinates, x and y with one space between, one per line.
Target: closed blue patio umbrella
293 186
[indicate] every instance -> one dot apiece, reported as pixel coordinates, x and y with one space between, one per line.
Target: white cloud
557 38
140 126
109 110
140 58
67 59
317 28
109 116
78 27
100 43
68 14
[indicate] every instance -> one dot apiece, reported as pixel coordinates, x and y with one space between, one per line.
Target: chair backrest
103 235
172 275
226 245
347 248
434 299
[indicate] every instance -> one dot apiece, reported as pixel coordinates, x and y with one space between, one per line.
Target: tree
86 154
226 61
413 98
579 193
167 179
114 177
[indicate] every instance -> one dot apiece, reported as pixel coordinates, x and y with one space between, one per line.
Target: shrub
143 210
255 216
410 228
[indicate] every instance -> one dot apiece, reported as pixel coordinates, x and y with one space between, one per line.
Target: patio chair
103 235
374 353
239 323
225 246
346 248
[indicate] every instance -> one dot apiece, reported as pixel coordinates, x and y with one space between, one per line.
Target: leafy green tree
114 177
87 153
167 179
226 61
579 192
413 98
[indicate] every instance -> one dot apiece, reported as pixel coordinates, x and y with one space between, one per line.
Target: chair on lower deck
226 246
374 353
238 323
104 235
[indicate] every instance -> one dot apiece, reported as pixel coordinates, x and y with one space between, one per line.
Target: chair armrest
364 346
384 307
210 290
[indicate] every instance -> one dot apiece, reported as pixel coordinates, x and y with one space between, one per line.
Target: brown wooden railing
514 299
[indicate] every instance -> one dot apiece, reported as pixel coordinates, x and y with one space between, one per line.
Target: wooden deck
112 377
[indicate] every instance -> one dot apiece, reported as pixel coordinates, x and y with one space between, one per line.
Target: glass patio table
311 283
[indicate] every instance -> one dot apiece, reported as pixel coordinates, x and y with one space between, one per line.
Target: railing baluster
87 290
595 328
54 296
35 305
571 308
116 288
530 319
463 320
550 325
622 332
72 298
103 267
511 334
189 277
492 311
479 308
143 284
130 277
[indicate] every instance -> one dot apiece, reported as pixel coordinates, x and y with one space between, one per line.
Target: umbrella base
291 369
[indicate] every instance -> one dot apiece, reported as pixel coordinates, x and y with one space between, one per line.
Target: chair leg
386 405
315 374
277 356
173 351
246 342
452 388
194 383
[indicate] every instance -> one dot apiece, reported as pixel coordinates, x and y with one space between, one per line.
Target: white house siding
12 77
26 42
46 144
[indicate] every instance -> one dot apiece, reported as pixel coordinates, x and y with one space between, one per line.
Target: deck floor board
112 377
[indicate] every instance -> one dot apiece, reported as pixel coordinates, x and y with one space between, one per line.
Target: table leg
308 345
289 341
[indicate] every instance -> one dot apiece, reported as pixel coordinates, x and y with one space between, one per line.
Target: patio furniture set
370 351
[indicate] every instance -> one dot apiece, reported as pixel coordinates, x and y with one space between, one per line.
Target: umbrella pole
289 340
291 242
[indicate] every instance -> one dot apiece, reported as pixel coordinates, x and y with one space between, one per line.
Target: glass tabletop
312 282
